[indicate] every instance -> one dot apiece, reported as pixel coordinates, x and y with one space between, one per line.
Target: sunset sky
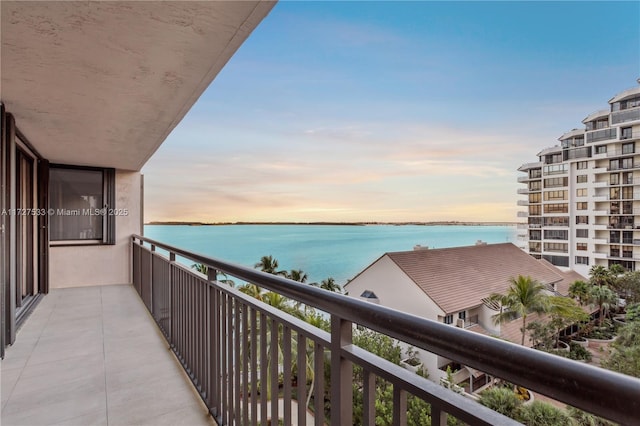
387 111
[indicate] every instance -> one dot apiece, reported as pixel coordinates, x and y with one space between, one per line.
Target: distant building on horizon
452 286
583 195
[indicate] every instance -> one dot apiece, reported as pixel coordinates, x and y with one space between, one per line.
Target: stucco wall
79 266
395 290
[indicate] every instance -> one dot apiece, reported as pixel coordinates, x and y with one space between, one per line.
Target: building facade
583 195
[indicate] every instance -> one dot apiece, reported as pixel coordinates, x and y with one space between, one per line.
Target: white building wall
79 266
396 290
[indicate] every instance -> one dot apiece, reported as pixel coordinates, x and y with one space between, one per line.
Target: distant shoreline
438 223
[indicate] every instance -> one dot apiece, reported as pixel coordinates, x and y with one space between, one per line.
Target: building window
582 220
556 260
581 165
556 247
556 234
555 195
82 205
555 182
601 149
448 319
626 133
556 208
581 205
581 179
462 315
581 192
582 233
628 148
582 260
556 221
581 246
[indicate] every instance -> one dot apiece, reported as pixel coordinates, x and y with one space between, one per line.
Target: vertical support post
341 373
172 261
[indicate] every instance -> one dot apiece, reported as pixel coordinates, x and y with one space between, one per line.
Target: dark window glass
79 203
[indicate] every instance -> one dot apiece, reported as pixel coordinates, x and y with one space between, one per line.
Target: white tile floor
94 356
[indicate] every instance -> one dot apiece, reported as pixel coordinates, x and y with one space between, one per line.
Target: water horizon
340 251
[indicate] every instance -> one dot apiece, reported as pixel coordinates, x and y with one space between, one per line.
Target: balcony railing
625 115
239 351
620 152
601 135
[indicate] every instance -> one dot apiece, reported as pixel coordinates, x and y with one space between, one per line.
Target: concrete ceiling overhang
103 83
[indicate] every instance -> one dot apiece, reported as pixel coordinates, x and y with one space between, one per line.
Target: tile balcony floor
94 356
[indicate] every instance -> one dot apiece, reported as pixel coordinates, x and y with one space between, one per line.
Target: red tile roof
459 278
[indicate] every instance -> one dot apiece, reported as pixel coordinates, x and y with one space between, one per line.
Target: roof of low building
459 278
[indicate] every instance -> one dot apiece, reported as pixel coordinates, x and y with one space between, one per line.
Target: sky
391 111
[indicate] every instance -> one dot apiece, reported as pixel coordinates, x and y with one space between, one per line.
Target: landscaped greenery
525 295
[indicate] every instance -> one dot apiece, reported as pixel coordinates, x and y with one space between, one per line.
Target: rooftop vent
480 243
420 247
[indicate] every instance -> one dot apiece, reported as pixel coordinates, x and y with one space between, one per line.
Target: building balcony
90 354
523 214
93 353
619 153
523 203
523 191
600 184
601 135
625 115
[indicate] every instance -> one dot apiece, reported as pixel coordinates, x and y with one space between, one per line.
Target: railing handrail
606 393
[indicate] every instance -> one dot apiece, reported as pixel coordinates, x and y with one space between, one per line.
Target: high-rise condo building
583 195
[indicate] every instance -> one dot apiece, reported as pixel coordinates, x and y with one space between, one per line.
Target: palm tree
298 275
200 267
580 290
269 265
604 297
330 284
252 290
599 275
525 295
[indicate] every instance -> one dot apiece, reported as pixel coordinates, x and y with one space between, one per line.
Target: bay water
322 251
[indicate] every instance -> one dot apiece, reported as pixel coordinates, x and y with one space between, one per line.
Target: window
581 205
614 179
581 192
601 149
582 233
581 165
581 179
555 169
535 186
556 260
556 221
582 260
582 220
462 315
556 234
80 199
556 208
555 195
535 210
535 198
627 192
555 182
628 148
626 133
581 246
535 235
557 247
448 319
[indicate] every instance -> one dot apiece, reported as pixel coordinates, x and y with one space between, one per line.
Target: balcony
91 353
523 203
601 135
523 214
620 153
523 191
225 341
625 115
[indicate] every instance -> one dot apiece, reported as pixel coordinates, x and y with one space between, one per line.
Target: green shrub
540 413
501 399
633 312
578 352
582 418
